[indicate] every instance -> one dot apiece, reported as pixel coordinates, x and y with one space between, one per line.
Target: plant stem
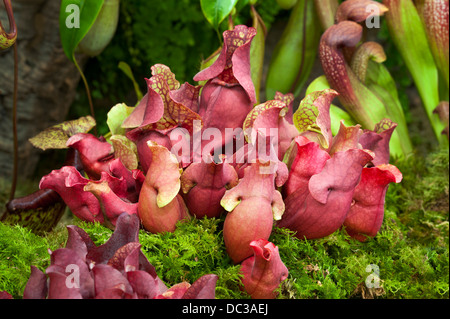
14 122
88 92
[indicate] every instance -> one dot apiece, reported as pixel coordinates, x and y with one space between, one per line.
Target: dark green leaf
216 11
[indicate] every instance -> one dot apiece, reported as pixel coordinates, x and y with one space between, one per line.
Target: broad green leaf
381 83
295 52
75 20
215 11
55 137
409 36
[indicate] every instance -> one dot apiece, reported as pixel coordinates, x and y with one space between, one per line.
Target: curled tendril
7 39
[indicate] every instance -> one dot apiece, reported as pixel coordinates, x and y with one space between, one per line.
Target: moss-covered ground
411 251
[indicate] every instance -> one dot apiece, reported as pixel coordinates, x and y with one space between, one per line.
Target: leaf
129 73
295 51
215 11
175 113
434 15
257 51
353 94
202 288
165 177
102 31
409 36
313 114
125 150
258 110
75 20
167 75
380 82
56 137
39 220
116 115
336 113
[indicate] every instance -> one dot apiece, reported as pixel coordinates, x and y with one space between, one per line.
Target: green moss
19 249
195 249
98 233
421 200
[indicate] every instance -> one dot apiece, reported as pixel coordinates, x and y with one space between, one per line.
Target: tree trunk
47 81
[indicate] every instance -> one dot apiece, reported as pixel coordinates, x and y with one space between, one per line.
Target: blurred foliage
397 68
176 33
